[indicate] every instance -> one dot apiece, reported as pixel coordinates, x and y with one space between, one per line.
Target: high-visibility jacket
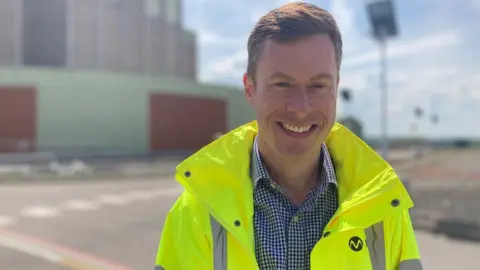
211 224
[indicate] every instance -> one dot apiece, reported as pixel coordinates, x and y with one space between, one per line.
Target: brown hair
292 22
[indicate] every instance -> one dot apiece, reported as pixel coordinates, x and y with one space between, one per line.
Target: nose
300 104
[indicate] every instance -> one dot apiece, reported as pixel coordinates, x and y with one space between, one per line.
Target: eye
282 84
319 86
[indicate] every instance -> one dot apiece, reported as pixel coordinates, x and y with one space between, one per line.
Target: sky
433 63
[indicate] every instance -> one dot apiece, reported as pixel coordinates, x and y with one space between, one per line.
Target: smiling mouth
297 129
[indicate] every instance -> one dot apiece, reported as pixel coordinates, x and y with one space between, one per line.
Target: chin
293 149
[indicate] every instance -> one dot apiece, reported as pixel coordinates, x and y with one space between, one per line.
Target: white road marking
175 191
30 249
44 211
80 205
113 199
140 195
55 253
6 221
40 211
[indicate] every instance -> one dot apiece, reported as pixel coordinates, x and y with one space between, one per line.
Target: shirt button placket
296 218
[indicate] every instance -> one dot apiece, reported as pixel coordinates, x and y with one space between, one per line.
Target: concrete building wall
108 35
121 36
106 113
159 57
118 36
44 33
10 22
173 11
132 38
185 54
83 39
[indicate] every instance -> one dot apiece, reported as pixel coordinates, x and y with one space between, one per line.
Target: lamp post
419 112
383 23
346 95
434 121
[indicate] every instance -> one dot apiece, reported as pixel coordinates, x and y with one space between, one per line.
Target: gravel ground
446 190
445 185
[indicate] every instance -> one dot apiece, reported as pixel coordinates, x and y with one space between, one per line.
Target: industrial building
92 113
106 77
140 37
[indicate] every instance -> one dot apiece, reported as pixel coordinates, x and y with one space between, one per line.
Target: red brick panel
184 123
18 119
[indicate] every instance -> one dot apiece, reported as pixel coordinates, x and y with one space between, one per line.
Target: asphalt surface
117 221
445 187
114 225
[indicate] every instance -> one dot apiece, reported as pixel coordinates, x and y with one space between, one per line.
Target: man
292 190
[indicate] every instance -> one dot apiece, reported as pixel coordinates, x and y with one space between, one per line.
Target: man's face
295 94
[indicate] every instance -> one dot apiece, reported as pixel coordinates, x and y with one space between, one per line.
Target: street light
346 94
434 120
382 19
419 112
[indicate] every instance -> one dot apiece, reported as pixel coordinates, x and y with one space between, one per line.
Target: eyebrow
323 76
281 75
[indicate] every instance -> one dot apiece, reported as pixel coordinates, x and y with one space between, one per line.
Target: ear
338 83
249 90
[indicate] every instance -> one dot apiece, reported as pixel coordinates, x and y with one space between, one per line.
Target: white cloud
344 15
472 86
420 79
358 81
232 66
409 86
207 38
403 49
429 70
256 13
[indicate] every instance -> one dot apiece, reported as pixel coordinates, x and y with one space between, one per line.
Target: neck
297 176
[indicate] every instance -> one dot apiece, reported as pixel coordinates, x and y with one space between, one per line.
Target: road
116 224
117 221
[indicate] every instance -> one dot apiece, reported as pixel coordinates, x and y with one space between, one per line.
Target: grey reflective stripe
376 246
414 264
159 267
219 237
375 242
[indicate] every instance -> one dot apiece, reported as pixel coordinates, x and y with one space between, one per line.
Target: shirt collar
259 171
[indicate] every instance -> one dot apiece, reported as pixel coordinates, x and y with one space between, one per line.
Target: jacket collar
258 170
219 177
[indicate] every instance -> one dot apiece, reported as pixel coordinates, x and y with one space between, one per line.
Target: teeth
297 129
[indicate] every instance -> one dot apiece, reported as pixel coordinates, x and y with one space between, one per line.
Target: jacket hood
218 175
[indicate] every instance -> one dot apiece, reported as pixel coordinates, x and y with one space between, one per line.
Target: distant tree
353 124
346 94
419 112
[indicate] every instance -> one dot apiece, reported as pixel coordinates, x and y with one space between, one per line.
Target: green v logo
355 243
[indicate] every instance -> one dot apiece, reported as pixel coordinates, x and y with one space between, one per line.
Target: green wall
76 111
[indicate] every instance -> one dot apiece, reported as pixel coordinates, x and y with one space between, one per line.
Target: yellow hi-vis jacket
210 227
